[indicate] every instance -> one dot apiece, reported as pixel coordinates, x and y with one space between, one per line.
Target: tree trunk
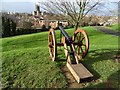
76 26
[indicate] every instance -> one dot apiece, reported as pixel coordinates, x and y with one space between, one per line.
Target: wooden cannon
75 48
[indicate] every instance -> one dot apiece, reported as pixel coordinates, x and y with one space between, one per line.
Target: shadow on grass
98 56
112 83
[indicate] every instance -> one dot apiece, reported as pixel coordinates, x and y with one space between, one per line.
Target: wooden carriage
75 48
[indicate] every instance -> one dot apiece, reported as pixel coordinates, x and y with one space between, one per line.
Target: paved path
108 31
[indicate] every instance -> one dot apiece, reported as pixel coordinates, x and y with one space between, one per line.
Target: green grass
30 68
26 63
115 27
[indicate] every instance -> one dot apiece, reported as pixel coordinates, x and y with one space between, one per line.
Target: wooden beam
79 71
66 50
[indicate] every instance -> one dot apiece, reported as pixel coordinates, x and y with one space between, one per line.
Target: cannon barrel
68 38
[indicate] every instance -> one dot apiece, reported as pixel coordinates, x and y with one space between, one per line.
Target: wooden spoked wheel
52 44
81 43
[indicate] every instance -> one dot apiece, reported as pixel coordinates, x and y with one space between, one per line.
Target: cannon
75 48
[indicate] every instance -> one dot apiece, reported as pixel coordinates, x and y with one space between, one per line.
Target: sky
25 6
18 7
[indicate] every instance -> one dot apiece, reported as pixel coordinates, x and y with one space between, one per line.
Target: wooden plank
79 71
73 73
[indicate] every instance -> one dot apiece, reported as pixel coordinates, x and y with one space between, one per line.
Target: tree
13 27
75 11
8 27
5 26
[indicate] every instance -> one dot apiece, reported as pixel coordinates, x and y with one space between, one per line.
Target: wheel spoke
76 47
79 51
82 39
82 50
77 37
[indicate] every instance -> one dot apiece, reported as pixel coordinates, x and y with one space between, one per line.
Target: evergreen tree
8 27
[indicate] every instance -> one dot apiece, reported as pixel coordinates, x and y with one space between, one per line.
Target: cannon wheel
52 44
81 43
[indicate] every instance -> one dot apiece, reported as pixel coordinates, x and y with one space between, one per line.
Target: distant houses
40 22
93 20
44 19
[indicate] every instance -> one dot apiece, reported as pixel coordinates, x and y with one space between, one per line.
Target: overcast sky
22 6
52 0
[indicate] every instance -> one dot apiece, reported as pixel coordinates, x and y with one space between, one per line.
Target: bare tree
75 11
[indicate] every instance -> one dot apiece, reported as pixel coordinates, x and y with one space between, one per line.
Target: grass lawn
115 27
26 63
